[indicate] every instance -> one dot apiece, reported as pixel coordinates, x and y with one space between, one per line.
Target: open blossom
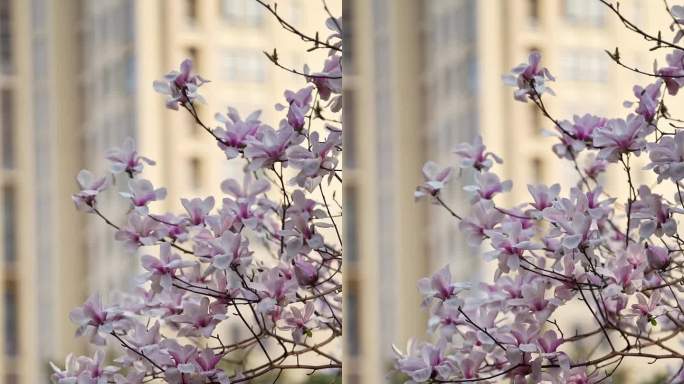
530 79
197 319
181 87
487 186
482 218
314 163
329 81
139 231
647 309
577 134
84 370
673 74
424 361
198 209
162 270
93 317
648 100
235 132
667 157
439 287
90 187
653 215
543 196
142 192
299 322
126 159
435 179
298 105
270 146
231 251
475 155
622 136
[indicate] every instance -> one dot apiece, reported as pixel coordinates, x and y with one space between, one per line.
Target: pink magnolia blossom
667 157
299 322
142 192
181 87
530 79
90 187
622 136
475 155
648 100
99 321
234 134
298 105
126 159
435 179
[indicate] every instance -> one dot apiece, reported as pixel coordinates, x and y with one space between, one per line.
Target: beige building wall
431 72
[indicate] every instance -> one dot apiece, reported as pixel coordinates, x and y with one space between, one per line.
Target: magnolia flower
198 209
543 196
305 272
647 309
594 166
84 370
487 186
475 155
139 231
483 217
274 289
652 215
316 162
329 81
162 270
270 146
142 192
658 257
621 136
575 136
424 361
435 180
196 318
90 187
667 157
649 99
439 287
673 75
92 317
126 159
181 87
235 133
299 322
298 104
231 251
530 79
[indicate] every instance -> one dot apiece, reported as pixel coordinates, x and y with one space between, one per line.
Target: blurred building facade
76 79
422 76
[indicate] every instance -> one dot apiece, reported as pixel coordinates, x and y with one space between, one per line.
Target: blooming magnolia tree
266 255
580 250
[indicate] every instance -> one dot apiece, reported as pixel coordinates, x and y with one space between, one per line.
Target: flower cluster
254 258
577 248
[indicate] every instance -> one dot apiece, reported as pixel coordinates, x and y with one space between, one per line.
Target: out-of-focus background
76 79
422 76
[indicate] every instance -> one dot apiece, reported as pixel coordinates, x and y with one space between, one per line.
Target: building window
196 172
7 128
583 12
585 65
191 12
9 238
6 54
537 120
11 323
533 12
538 170
242 65
245 12
351 225
193 54
351 317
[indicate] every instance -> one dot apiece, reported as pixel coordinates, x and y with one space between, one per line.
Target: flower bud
658 257
305 272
